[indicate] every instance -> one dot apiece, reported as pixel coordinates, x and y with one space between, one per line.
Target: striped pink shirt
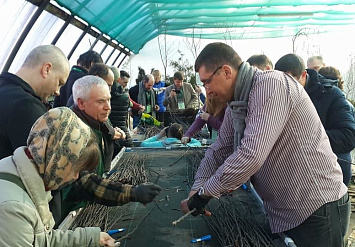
285 151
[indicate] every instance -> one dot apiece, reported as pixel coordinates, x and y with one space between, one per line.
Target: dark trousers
344 161
160 116
326 227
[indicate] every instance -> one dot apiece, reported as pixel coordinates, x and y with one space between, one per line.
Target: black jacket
133 93
66 90
333 110
20 107
119 108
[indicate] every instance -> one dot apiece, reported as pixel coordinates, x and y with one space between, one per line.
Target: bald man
24 95
143 94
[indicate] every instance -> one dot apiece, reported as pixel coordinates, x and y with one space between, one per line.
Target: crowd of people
286 128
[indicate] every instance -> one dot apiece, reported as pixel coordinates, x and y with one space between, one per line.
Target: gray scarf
142 99
238 107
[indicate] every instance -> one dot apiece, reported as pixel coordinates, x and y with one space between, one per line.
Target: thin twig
134 229
183 217
176 161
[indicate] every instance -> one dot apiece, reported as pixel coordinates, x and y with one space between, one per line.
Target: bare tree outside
194 44
166 49
228 36
306 43
186 68
127 66
349 79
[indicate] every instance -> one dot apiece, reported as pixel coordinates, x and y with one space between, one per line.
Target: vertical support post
113 50
103 49
78 41
24 35
62 29
122 61
117 57
96 40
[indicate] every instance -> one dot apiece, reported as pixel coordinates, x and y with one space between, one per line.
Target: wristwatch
201 193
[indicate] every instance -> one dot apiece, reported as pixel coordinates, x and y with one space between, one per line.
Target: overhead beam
54 10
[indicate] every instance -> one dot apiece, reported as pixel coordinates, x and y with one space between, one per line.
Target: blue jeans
326 227
136 120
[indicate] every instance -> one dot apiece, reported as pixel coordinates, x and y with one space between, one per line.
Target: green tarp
133 23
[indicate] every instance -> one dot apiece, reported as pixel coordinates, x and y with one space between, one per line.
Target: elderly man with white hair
92 96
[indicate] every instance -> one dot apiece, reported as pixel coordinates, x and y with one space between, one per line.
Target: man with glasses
180 95
272 135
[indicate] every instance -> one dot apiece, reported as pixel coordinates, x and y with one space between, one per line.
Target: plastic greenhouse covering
133 23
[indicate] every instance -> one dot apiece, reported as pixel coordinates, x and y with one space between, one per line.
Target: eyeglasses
206 82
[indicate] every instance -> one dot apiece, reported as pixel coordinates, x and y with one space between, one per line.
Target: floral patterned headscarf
56 141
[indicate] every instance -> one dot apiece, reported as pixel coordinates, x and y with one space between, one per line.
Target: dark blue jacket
333 110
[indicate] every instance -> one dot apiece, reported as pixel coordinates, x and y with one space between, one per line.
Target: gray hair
47 53
314 58
116 73
82 87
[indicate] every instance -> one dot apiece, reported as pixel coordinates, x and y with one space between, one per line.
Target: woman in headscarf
59 146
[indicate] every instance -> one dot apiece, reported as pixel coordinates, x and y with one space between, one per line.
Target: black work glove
196 201
145 193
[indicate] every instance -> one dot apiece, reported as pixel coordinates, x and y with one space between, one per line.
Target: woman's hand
205 116
106 240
